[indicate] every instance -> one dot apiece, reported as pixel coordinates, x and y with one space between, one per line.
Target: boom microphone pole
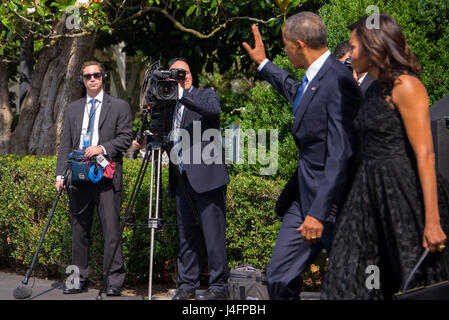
24 291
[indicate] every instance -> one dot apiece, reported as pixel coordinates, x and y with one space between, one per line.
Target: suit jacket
203 107
114 133
323 132
365 84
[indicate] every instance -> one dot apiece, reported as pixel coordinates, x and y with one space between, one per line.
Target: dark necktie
90 126
178 118
299 94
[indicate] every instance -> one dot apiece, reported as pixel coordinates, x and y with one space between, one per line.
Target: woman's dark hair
386 48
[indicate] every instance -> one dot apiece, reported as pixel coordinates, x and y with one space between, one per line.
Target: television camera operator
197 110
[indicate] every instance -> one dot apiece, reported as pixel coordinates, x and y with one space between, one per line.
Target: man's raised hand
258 53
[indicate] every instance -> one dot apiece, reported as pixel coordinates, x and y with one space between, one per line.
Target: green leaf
198 11
6 23
40 11
106 29
190 10
12 6
10 34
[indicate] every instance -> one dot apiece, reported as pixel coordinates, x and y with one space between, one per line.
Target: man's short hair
307 27
176 59
91 63
342 49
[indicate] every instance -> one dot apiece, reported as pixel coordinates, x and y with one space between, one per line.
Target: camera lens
167 90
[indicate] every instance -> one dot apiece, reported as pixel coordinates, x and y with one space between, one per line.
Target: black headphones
104 75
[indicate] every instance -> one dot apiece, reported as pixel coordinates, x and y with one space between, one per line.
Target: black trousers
209 234
107 201
292 255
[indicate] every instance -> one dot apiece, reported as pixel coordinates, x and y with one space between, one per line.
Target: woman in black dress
393 210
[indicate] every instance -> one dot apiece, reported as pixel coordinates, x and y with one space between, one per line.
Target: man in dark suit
324 105
343 54
364 80
205 175
101 125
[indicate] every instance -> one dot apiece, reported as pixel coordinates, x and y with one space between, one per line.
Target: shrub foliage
27 193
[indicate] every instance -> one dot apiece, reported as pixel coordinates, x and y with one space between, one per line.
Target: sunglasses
88 76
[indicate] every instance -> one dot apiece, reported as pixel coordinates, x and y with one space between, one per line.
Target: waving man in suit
324 104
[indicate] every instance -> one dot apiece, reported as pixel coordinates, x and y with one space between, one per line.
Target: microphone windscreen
22 292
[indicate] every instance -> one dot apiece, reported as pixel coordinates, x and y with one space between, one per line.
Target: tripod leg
128 210
158 202
138 183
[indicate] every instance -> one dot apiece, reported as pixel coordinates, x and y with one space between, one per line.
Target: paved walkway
43 289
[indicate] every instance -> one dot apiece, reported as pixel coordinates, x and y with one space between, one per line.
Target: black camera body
164 85
161 95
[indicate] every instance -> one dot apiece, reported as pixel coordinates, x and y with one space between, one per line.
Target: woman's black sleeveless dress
382 221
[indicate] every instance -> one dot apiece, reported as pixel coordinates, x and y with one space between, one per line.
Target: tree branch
53 37
70 35
183 28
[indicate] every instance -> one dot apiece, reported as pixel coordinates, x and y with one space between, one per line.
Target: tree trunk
26 68
54 85
6 117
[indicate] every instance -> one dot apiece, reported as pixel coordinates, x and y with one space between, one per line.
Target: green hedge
425 25
267 109
27 194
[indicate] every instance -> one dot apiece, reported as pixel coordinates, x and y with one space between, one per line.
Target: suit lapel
312 89
305 101
184 113
79 115
104 109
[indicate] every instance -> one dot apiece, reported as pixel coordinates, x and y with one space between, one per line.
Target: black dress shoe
82 288
113 292
210 294
182 294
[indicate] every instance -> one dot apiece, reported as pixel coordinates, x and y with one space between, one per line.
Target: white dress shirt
85 124
313 69
359 81
181 106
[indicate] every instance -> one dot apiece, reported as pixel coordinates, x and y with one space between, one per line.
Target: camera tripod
155 146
